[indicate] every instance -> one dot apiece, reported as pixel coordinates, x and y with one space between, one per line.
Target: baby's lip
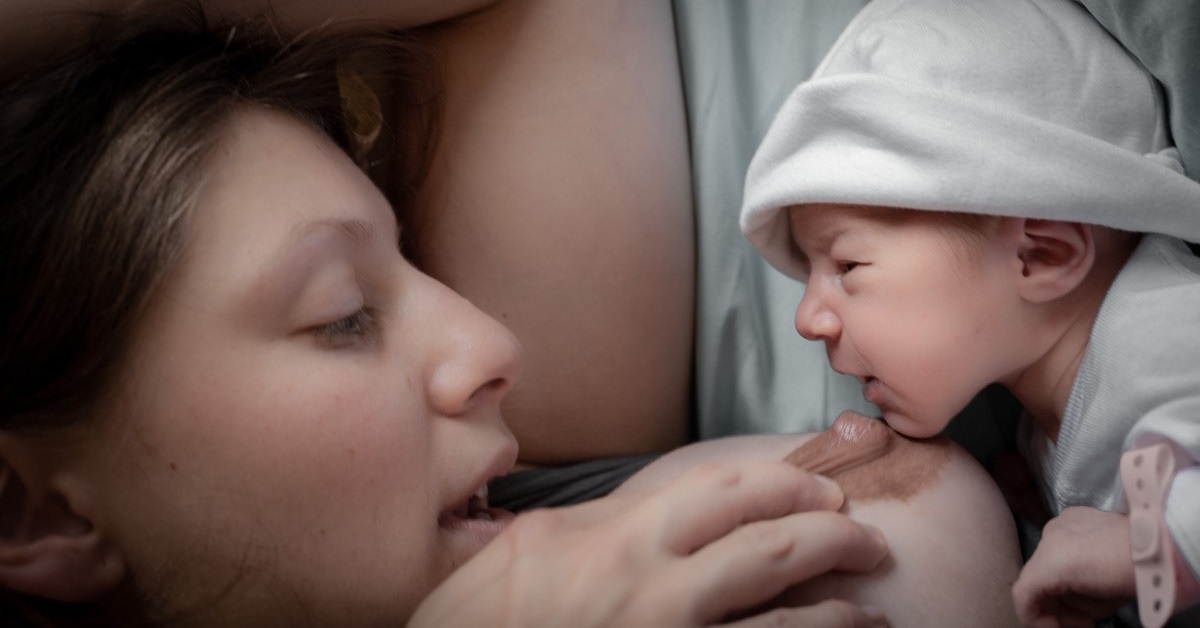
861 377
845 371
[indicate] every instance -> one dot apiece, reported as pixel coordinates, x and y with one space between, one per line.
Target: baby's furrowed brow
801 257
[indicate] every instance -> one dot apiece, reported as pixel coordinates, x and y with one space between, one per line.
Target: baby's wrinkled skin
952 546
871 461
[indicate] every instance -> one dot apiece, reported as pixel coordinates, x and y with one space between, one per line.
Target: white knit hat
1009 107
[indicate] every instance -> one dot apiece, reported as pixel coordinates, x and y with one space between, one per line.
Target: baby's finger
827 614
758 561
1035 588
710 501
1051 607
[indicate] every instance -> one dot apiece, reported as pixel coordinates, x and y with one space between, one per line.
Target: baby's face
305 417
902 306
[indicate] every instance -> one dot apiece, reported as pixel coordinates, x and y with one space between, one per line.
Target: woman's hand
718 541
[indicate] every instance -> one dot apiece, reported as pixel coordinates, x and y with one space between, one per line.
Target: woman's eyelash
845 267
347 329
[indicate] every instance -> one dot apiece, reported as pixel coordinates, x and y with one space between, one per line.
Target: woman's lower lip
467 536
496 519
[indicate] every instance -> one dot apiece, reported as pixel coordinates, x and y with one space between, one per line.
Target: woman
228 399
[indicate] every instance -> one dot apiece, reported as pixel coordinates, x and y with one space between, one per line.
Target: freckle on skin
870 460
174 467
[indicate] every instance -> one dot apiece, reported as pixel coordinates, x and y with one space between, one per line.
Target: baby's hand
1082 570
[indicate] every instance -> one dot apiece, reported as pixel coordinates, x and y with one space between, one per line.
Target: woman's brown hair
102 151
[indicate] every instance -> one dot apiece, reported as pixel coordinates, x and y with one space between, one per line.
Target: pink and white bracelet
1163 579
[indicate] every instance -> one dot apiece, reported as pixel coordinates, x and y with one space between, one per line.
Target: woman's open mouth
473 511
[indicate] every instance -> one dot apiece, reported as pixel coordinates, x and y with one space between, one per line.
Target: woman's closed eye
348 330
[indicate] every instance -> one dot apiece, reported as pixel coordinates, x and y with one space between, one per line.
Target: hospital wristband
1164 580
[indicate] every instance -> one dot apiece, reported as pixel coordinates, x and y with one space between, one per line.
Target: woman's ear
47 548
1056 257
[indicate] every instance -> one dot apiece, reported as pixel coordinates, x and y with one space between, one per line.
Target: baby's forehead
822 220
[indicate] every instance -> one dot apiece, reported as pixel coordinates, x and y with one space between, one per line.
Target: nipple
852 440
870 460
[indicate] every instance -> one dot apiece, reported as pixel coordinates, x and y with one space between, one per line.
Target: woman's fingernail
876 535
828 483
876 615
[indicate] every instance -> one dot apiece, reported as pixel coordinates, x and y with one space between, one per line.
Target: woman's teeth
477 505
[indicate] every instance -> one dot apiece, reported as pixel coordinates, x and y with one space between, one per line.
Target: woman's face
305 417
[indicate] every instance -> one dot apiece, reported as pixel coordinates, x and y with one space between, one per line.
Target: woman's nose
814 318
475 359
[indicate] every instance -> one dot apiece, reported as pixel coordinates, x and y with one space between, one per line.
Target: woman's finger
756 562
710 501
827 614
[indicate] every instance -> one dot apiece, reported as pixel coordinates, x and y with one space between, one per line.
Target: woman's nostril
494 388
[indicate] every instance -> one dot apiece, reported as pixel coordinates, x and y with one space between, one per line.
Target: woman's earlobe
1056 257
47 549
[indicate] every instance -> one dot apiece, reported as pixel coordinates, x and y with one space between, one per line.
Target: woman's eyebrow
306 246
355 231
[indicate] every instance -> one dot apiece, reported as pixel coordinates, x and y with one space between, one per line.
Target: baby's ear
1056 257
47 548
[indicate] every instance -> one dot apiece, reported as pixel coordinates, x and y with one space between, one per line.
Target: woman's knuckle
715 474
770 540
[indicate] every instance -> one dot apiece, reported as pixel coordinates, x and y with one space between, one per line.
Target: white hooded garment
1008 107
1022 108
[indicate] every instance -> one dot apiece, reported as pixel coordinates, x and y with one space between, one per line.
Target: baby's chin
906 424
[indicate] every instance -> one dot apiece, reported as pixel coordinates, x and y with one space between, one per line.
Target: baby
982 192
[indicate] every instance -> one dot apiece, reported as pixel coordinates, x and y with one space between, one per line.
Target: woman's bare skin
953 552
559 202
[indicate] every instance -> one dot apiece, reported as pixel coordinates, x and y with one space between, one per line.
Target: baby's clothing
754 373
739 62
1139 383
1023 108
